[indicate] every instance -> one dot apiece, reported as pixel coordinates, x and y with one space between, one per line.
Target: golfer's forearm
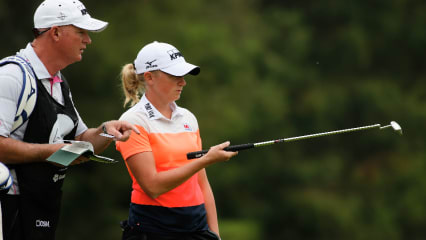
165 181
13 151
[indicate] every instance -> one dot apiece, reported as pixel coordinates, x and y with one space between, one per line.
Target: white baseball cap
164 57
66 12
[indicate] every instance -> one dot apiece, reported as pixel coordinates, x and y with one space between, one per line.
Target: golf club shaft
292 139
234 148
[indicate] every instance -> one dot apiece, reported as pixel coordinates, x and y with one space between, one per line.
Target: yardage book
67 154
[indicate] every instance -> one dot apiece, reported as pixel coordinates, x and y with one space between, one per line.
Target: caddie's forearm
14 151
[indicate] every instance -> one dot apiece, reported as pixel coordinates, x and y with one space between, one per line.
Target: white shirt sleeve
10 89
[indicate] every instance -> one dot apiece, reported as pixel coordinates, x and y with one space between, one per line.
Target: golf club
233 148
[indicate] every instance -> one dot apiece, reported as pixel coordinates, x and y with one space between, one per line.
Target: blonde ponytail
133 84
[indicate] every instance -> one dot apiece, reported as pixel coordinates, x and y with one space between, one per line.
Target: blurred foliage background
270 69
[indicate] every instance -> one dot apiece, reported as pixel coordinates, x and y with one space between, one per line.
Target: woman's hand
217 154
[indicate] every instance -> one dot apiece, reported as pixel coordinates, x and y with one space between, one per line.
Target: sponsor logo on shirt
187 127
149 110
58 177
42 223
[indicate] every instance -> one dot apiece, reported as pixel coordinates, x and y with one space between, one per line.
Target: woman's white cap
66 12
164 57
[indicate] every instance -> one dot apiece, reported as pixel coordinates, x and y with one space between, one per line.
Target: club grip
239 147
233 148
197 154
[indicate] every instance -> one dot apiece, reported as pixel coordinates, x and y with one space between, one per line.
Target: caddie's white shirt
10 89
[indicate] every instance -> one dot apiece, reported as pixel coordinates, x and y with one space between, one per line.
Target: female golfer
171 197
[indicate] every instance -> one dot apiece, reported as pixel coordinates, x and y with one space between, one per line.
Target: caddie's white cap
164 57
66 12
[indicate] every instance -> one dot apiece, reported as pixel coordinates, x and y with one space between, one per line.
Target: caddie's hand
80 160
121 130
52 149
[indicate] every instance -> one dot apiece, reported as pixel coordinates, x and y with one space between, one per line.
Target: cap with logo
164 57
66 12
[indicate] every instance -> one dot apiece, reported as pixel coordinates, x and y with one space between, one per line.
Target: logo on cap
149 64
62 16
83 10
174 54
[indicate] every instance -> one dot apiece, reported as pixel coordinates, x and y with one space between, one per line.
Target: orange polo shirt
169 140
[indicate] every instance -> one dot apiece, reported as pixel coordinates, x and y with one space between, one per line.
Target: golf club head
396 127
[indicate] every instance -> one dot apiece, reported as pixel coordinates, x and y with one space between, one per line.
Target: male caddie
37 113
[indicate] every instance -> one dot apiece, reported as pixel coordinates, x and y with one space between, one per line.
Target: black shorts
130 233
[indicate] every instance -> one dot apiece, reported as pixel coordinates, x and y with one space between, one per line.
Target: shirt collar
152 113
30 55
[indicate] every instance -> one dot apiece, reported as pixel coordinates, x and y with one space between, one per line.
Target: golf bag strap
28 94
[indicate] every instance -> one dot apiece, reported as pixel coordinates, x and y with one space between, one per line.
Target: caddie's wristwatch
104 128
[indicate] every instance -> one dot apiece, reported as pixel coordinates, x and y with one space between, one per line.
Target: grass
239 229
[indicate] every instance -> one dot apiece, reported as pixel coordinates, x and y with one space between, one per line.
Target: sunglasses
37 32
